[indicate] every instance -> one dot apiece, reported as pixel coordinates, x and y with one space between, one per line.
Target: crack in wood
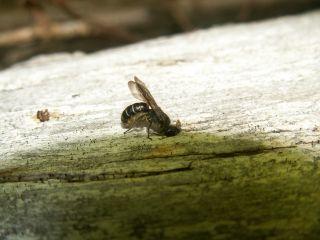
246 152
83 177
7 176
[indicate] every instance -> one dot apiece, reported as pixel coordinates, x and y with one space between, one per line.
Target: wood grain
246 165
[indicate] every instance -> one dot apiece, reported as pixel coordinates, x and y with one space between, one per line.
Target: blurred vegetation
32 27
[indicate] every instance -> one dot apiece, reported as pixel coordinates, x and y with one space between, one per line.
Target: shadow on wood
193 186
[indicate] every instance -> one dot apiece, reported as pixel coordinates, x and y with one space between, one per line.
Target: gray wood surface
244 167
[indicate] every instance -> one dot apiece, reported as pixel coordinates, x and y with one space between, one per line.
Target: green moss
193 186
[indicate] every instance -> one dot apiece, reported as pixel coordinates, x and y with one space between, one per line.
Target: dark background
33 27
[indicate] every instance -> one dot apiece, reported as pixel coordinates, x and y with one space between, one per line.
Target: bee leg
127 130
148 130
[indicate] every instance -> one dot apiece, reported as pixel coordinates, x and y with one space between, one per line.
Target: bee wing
140 91
135 91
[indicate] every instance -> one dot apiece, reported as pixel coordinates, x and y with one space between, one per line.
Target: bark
246 165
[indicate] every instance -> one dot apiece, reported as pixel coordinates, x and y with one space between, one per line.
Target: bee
147 113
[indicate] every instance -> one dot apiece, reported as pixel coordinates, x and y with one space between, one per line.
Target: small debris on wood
43 115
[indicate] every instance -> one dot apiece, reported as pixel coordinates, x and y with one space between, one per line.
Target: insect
147 113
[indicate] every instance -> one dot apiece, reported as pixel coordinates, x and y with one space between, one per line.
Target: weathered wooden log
246 165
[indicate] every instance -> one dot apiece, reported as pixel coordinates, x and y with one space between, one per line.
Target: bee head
173 129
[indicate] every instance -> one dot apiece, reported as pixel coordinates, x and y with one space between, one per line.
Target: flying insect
147 113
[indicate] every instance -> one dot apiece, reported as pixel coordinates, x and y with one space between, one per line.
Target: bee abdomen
132 110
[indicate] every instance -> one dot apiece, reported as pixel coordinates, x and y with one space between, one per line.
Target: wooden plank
246 164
